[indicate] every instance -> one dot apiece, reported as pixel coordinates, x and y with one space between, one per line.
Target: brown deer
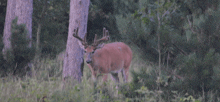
106 58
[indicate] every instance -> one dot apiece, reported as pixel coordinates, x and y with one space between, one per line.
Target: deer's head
90 49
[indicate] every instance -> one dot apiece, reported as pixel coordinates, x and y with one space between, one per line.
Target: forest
175 46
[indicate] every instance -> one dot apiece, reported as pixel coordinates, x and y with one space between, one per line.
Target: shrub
20 54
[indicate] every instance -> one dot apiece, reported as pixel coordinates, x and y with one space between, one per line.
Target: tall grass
46 85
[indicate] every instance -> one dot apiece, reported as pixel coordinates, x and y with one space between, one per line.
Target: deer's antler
83 41
104 38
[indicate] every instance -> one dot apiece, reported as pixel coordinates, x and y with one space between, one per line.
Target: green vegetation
46 84
17 59
175 44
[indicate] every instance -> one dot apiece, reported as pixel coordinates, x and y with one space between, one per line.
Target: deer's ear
80 45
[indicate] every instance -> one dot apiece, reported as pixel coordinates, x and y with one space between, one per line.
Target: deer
106 58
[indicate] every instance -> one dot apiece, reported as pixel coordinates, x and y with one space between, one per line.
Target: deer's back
112 57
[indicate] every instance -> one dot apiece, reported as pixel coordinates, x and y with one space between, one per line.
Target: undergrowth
45 85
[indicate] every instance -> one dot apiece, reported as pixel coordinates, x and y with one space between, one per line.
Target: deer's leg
94 76
105 77
115 77
94 79
123 75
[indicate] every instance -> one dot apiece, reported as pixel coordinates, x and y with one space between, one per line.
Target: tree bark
73 60
10 15
22 9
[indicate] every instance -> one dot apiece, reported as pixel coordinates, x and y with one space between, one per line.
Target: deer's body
109 58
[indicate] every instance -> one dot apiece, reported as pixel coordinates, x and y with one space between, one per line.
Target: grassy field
46 86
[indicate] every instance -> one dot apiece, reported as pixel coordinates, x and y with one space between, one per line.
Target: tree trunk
73 60
39 25
22 9
10 15
38 39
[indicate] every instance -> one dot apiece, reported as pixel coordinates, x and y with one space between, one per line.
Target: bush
20 54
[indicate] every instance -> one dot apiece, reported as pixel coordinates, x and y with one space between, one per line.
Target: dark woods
178 40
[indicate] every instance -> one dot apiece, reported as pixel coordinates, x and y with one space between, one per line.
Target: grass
46 86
